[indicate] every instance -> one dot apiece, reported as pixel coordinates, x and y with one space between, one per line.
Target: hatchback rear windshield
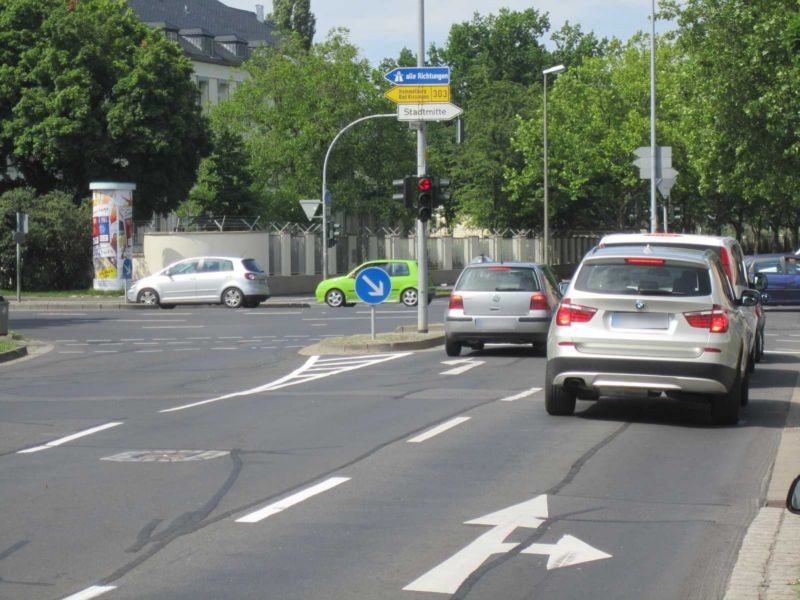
636 279
252 265
498 279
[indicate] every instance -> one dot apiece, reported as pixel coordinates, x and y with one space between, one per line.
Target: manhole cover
166 455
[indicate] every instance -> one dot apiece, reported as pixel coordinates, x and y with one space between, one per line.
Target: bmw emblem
640 305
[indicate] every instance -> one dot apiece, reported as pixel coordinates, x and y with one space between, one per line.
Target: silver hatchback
648 321
231 281
500 302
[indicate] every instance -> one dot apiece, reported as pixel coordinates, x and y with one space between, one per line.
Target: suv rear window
662 280
498 279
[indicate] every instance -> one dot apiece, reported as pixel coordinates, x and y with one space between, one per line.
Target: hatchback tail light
715 320
250 276
456 302
569 313
539 302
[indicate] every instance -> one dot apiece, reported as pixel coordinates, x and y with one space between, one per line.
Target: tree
224 180
57 253
288 113
295 16
118 103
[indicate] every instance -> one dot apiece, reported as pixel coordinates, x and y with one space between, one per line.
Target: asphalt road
219 463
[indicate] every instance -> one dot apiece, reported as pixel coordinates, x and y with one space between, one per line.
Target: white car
647 321
231 281
730 255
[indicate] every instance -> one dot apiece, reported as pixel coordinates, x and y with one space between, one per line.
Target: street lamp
545 73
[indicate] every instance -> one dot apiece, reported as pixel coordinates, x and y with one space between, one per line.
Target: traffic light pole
422 238
325 206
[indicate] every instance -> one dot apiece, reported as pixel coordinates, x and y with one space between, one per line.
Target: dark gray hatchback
500 303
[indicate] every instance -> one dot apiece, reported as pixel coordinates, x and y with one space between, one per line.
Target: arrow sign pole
568 551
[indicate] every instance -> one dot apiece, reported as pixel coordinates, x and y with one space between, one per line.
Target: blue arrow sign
373 285
419 76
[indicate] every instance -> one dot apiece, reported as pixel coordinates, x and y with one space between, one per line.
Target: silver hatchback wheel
148 297
409 297
232 297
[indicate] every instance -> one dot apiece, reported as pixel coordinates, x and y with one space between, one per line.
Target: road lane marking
106 351
71 352
131 339
97 341
377 316
69 438
300 375
146 343
270 313
220 348
438 429
179 342
198 338
468 364
142 351
79 344
150 321
281 505
230 337
521 395
91 592
173 326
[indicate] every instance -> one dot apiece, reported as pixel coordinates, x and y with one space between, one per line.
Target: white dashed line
173 326
69 438
91 592
521 395
439 429
297 498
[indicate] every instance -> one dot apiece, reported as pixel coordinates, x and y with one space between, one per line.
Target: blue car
783 277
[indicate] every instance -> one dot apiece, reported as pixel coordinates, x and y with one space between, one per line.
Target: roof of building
206 17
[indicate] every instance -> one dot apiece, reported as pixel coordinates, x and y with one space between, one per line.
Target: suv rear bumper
609 375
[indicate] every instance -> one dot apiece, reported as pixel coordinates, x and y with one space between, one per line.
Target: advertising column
112 233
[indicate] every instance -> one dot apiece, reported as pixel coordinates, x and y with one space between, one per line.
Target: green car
341 291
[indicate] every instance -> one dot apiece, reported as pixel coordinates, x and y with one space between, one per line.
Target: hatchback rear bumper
609 375
525 330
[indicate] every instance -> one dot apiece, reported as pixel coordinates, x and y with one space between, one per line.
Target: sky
381 28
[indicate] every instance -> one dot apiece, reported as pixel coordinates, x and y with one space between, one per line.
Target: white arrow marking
451 574
377 290
530 513
448 576
521 395
466 365
566 552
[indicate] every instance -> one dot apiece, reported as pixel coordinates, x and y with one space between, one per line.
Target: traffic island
12 347
402 339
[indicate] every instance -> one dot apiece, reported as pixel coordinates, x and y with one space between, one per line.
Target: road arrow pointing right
566 552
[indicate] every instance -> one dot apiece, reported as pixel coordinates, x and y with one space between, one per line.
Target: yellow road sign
415 94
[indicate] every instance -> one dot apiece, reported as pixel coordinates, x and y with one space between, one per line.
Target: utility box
3 316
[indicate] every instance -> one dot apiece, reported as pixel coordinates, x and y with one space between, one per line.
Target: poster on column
112 232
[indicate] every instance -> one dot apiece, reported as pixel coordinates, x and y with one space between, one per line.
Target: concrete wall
162 249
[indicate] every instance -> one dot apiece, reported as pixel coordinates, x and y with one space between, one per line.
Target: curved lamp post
551 71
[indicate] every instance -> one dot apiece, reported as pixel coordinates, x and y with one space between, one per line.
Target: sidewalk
33 303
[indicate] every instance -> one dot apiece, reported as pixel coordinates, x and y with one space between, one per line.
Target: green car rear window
498 279
633 279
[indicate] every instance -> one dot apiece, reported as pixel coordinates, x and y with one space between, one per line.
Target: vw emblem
640 305
496 298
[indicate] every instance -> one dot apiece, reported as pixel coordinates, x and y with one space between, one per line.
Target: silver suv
648 321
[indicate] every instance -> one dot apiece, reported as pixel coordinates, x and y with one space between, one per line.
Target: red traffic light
424 184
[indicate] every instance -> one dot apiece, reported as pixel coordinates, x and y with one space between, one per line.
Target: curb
13 354
376 346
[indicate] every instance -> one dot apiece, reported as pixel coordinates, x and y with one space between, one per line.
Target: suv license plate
631 320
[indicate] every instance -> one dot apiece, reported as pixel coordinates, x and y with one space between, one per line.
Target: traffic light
405 189
10 220
425 200
333 234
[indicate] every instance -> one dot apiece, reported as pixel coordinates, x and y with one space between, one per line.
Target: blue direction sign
419 76
373 285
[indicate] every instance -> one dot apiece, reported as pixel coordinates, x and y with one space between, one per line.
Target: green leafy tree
295 16
224 180
288 113
57 253
89 92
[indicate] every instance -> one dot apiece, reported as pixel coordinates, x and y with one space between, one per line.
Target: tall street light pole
545 73
653 182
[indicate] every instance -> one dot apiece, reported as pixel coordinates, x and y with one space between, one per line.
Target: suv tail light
726 262
539 302
715 320
456 302
250 276
569 313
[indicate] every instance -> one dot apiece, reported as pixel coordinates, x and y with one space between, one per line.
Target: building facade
216 37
